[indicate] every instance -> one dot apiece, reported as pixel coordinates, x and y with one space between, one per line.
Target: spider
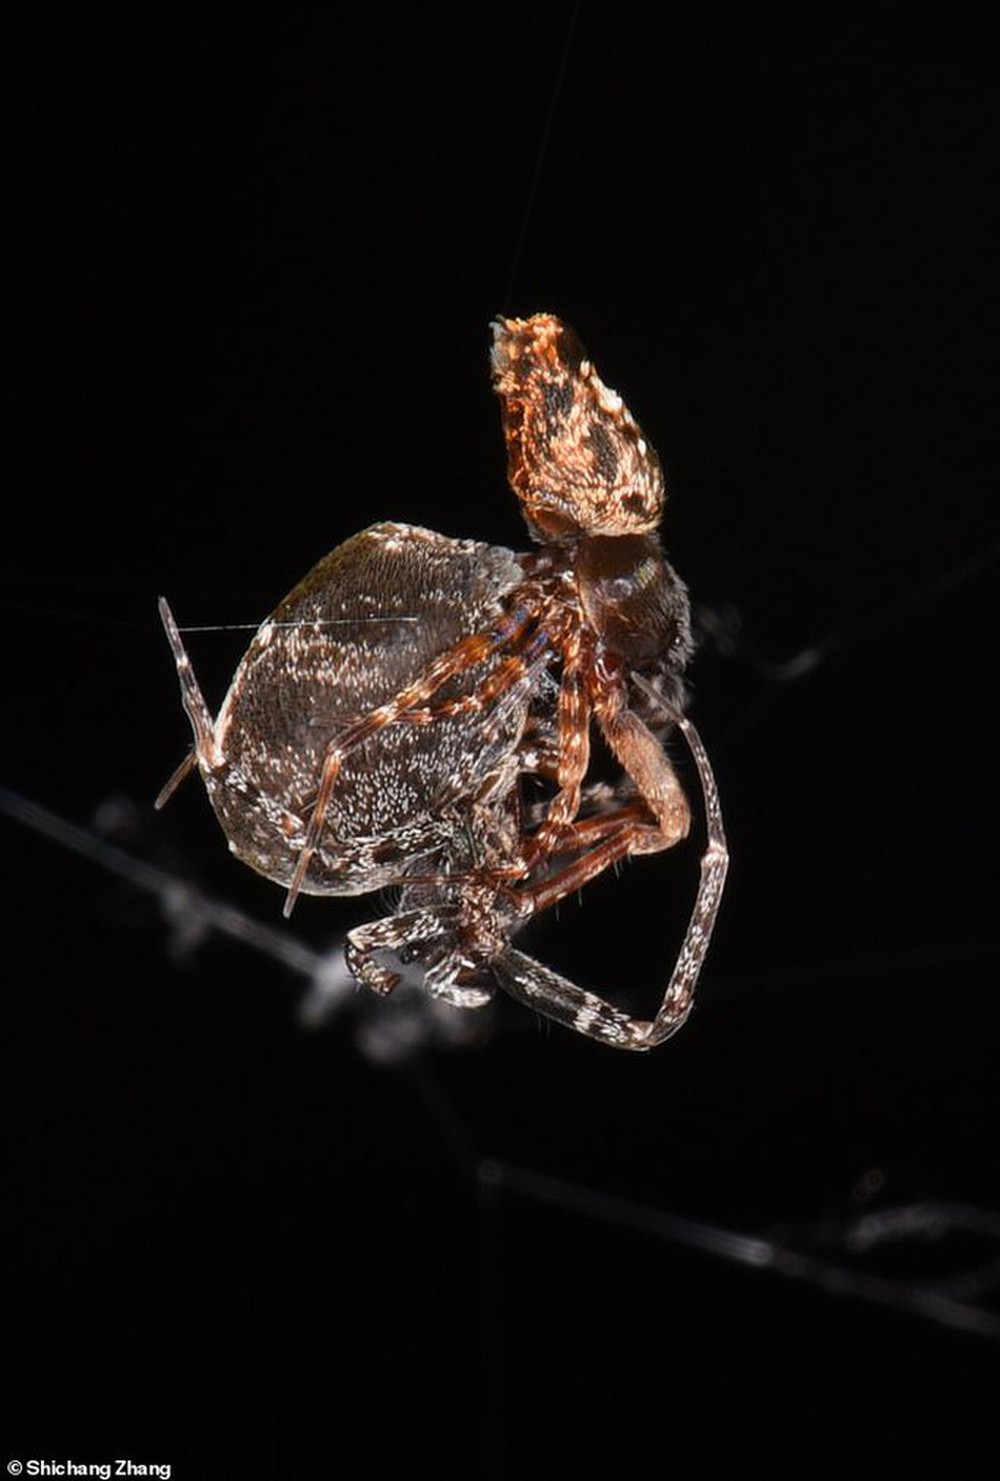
386 716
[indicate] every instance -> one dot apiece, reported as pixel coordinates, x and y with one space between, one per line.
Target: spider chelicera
382 727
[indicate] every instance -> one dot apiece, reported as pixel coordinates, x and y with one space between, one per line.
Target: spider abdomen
364 623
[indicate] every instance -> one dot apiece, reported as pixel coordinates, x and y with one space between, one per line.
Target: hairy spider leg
605 842
557 998
584 833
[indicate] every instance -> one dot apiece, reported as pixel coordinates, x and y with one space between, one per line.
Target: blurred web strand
193 916
722 626
937 1301
395 1036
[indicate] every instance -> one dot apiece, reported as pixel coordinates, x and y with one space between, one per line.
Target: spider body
384 720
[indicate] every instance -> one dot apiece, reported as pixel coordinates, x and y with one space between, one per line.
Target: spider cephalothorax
384 720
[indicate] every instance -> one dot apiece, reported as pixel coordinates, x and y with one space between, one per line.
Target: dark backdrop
256 264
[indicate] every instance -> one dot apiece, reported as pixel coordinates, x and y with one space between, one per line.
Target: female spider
379 729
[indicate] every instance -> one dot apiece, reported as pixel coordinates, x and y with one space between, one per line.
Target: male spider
380 727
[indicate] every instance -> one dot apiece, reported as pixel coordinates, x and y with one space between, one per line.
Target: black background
256 264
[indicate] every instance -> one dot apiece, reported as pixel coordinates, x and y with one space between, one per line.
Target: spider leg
573 758
555 997
623 836
500 681
189 764
633 744
646 762
388 934
615 835
204 752
582 836
392 933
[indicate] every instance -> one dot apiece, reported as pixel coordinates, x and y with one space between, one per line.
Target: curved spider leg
634 745
644 758
468 653
556 997
393 932
388 934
